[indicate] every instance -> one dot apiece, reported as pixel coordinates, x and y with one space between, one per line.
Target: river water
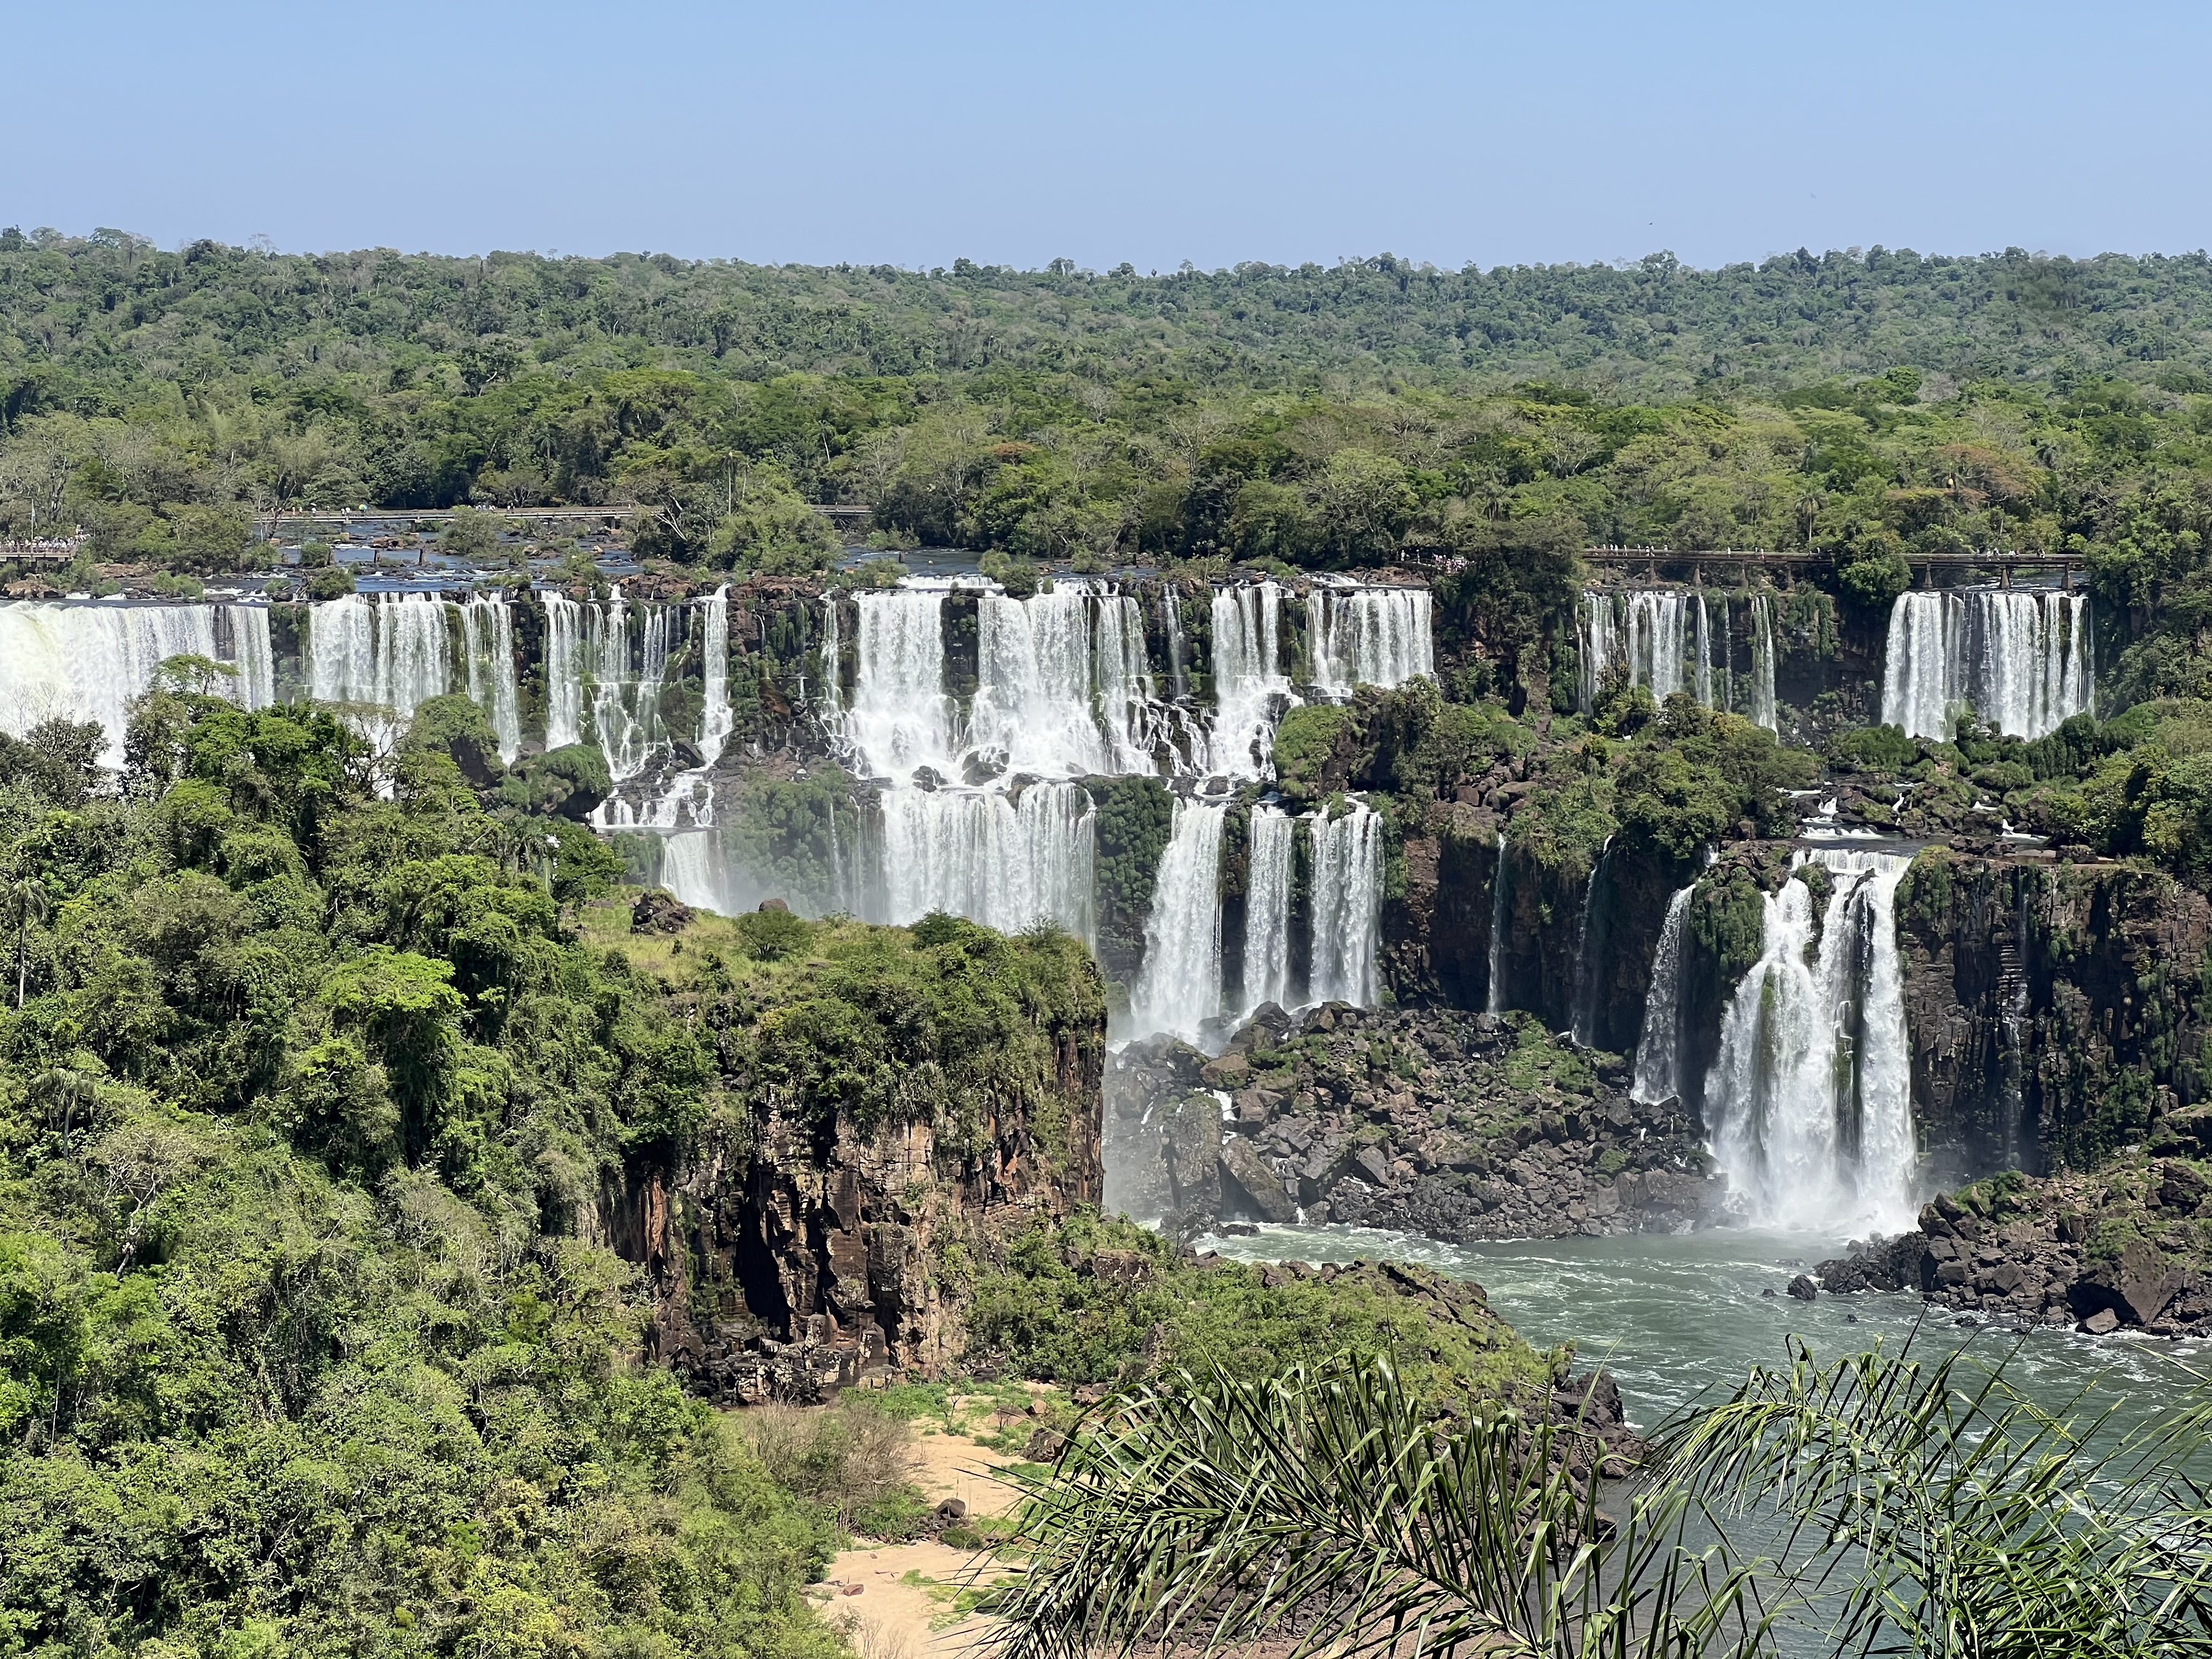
1681 1318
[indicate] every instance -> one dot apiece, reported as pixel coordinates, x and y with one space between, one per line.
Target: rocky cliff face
791 1252
2055 1009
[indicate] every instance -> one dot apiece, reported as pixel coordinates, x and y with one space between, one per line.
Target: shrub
853 1459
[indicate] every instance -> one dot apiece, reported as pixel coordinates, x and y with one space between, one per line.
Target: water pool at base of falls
1679 1318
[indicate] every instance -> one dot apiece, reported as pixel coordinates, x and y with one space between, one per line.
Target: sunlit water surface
1681 1318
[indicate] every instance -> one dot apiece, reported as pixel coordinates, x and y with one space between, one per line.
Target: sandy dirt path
907 1591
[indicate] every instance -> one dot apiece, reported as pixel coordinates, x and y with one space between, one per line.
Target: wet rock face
1460 1126
2053 1007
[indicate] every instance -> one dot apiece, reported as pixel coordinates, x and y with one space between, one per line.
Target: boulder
2103 1322
1245 1172
1803 1288
658 911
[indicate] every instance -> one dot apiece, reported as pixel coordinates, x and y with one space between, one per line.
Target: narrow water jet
1659 1048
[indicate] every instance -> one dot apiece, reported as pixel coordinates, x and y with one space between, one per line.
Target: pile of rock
2102 1254
1459 1125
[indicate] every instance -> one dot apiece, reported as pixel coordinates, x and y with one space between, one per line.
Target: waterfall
488 641
251 655
91 662
1003 860
388 652
832 651
1124 684
1582 1017
2023 658
1180 986
1377 636
1659 1048
1267 909
901 718
715 720
626 694
1347 904
690 868
1178 662
1494 993
1248 675
564 672
1762 663
1033 684
1661 638
1810 1094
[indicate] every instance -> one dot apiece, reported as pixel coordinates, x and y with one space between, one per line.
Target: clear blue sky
1156 133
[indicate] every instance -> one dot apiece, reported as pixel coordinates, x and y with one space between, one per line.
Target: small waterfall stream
1494 996
1809 1095
1347 904
1379 636
1267 908
1764 710
488 641
2023 658
1180 988
1249 684
1659 1048
1590 952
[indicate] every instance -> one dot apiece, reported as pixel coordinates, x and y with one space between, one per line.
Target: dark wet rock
1803 1288
658 911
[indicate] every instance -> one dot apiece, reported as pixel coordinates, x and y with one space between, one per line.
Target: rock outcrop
2125 1247
1460 1126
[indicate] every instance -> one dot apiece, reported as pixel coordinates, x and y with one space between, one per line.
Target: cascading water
901 718
626 690
1347 904
1005 861
1034 682
1659 1048
1180 987
1379 636
250 655
564 672
1178 663
691 869
488 639
1494 994
1809 1095
1588 953
386 653
1762 710
1249 680
89 662
715 720
2022 658
1267 908
1663 638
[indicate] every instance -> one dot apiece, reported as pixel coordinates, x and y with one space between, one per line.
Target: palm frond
1932 1509
1207 1511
